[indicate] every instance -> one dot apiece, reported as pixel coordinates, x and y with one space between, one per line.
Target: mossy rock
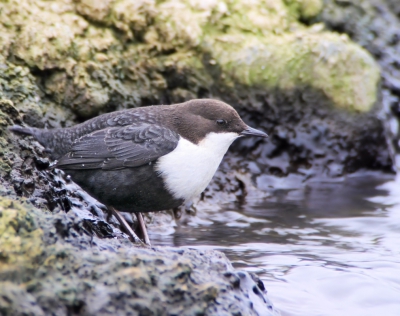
95 56
49 265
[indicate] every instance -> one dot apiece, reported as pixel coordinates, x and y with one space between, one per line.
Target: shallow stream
324 248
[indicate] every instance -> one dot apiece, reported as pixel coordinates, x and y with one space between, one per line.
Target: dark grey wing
119 147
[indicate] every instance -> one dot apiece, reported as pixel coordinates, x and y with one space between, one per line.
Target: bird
145 159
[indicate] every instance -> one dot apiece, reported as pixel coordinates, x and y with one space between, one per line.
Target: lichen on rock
50 265
98 55
346 74
21 242
64 61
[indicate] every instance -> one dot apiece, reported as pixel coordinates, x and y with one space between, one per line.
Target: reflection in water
322 249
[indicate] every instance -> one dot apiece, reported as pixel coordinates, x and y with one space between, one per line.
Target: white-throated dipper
145 159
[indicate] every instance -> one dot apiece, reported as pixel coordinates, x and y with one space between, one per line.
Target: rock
313 90
346 74
84 59
375 26
260 45
50 265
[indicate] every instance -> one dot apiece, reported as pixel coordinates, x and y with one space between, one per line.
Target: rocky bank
290 67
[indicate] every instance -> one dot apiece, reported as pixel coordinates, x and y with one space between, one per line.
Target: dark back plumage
134 137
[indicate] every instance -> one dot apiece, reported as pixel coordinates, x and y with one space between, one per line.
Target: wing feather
120 147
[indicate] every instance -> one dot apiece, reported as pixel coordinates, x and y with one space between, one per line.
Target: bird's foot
142 230
128 229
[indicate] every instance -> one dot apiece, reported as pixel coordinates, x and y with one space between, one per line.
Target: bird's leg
126 226
142 228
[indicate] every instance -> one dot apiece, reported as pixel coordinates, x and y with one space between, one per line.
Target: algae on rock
93 56
375 25
49 265
63 61
21 242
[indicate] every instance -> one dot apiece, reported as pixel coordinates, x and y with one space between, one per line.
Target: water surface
321 248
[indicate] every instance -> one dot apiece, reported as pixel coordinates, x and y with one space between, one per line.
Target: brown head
197 118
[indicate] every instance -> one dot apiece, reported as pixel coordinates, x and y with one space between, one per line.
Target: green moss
21 101
342 70
133 17
107 54
7 113
262 45
304 9
47 263
21 242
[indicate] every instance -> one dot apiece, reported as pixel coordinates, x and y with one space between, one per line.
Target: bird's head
198 119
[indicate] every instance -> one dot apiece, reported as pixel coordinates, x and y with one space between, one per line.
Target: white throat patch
189 168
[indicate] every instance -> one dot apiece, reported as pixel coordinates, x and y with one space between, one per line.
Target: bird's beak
249 131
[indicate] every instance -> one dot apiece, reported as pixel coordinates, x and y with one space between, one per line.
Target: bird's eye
222 122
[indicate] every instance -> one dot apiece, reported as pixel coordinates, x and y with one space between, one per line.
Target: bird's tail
47 138
22 130
41 135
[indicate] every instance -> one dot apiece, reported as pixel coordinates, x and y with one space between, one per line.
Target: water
327 248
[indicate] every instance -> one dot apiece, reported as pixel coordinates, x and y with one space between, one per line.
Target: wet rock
261 58
375 25
65 61
96 56
46 271
346 74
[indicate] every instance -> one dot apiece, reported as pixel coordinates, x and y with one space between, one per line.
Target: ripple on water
322 249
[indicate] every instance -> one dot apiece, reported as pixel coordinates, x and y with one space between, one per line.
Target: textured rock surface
50 265
277 62
264 59
375 25
96 56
